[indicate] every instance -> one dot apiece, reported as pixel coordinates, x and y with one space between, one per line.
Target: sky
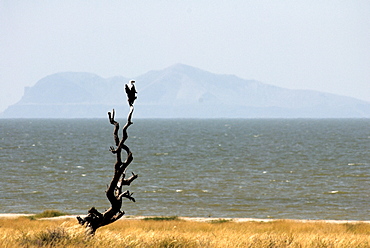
295 44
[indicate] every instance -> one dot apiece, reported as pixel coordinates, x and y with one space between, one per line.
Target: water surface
251 168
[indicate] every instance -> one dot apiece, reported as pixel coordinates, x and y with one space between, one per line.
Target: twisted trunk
94 218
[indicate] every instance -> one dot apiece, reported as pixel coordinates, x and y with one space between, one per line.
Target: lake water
238 168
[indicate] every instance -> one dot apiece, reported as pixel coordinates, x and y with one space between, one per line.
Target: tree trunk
94 218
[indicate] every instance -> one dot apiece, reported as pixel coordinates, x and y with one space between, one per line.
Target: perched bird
131 92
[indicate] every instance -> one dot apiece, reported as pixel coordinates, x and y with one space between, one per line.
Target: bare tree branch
94 218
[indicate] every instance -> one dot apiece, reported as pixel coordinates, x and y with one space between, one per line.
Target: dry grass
25 232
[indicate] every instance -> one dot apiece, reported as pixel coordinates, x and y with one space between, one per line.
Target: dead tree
94 218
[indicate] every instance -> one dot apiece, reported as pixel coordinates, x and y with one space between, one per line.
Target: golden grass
25 232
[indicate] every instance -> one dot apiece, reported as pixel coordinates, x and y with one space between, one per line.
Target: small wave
354 164
161 154
336 192
10 147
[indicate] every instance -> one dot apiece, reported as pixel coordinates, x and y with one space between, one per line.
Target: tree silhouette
114 193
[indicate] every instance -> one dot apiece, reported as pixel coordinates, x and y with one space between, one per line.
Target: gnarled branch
94 218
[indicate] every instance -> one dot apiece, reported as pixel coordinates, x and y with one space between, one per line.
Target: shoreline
197 219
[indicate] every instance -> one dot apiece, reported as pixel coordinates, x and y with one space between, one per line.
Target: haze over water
251 168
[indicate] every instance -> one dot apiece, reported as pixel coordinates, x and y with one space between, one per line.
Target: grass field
174 232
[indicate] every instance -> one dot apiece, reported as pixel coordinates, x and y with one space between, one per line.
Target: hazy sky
320 45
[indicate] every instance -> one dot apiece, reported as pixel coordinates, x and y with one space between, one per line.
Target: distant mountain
69 95
179 91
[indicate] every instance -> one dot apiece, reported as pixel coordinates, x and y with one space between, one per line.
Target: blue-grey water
251 168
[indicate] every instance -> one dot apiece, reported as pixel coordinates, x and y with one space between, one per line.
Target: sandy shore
201 219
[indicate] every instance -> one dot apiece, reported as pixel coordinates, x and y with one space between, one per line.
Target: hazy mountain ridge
178 91
72 88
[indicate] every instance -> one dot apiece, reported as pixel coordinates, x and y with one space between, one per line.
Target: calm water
254 168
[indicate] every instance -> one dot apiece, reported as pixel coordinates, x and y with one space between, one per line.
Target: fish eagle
131 92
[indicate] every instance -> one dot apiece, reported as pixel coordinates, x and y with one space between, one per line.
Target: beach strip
196 219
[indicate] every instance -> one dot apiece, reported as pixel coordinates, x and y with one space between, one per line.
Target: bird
131 92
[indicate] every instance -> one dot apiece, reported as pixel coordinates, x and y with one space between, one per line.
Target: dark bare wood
114 193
